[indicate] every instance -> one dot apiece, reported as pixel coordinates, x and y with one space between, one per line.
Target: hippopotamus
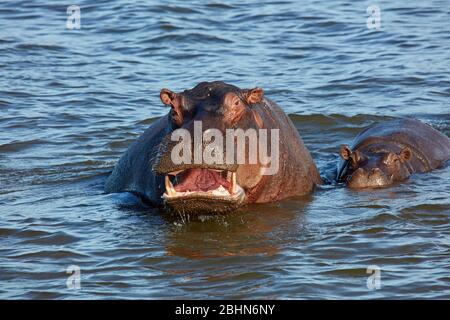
389 152
148 169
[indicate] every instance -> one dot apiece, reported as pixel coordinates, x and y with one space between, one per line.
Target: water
71 101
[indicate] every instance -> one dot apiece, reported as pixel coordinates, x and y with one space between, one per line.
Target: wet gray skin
390 152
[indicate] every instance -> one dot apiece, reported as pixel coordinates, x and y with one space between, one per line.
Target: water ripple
71 102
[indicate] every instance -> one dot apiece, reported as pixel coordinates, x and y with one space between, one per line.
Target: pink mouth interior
200 180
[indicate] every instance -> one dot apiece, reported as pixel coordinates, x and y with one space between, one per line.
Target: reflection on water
247 233
71 101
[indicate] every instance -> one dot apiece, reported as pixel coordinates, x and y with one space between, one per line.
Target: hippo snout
371 178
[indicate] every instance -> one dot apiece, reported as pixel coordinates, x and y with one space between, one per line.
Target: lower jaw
205 203
197 206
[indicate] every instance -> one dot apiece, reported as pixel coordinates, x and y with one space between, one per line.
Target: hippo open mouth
203 189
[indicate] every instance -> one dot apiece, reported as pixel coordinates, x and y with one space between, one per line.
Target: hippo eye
176 118
390 159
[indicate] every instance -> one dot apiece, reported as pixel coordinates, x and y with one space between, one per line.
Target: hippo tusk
169 188
233 183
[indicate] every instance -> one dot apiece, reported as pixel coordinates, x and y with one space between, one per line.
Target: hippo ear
167 97
345 152
174 100
255 95
405 154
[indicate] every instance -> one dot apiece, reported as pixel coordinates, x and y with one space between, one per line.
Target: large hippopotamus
389 152
148 168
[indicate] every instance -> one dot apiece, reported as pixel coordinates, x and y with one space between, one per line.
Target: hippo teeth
201 184
232 188
221 191
169 188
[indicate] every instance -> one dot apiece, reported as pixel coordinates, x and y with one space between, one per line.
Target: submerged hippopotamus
148 168
391 151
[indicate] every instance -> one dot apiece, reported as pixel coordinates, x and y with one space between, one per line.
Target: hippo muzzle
373 178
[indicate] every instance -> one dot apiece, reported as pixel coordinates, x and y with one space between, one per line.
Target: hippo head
372 169
196 185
